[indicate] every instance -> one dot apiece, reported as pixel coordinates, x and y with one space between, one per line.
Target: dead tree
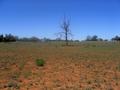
66 30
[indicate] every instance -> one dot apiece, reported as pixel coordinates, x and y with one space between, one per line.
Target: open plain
82 66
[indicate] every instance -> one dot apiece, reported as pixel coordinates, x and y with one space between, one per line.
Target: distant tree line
8 38
12 38
116 38
31 39
96 38
93 38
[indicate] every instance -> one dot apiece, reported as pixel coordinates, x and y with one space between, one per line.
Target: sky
43 18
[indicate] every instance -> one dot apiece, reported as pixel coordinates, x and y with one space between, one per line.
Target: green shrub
40 62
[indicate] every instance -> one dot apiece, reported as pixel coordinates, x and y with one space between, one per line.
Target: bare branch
66 29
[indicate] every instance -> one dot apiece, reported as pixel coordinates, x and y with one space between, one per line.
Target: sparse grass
88 88
118 67
21 65
13 85
84 66
27 74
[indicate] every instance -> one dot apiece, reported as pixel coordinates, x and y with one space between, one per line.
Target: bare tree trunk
66 38
66 30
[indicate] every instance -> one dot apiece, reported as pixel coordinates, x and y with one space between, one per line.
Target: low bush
40 62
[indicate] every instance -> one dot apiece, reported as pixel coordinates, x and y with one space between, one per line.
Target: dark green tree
1 38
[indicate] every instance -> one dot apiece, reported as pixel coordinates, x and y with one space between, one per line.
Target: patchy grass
118 67
83 66
27 74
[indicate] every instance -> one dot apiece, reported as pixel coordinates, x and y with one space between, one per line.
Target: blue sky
42 18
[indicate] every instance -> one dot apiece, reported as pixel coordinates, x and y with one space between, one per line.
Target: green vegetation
40 62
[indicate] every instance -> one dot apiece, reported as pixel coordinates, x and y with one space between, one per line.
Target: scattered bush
40 62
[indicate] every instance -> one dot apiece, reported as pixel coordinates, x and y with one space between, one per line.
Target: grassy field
83 66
